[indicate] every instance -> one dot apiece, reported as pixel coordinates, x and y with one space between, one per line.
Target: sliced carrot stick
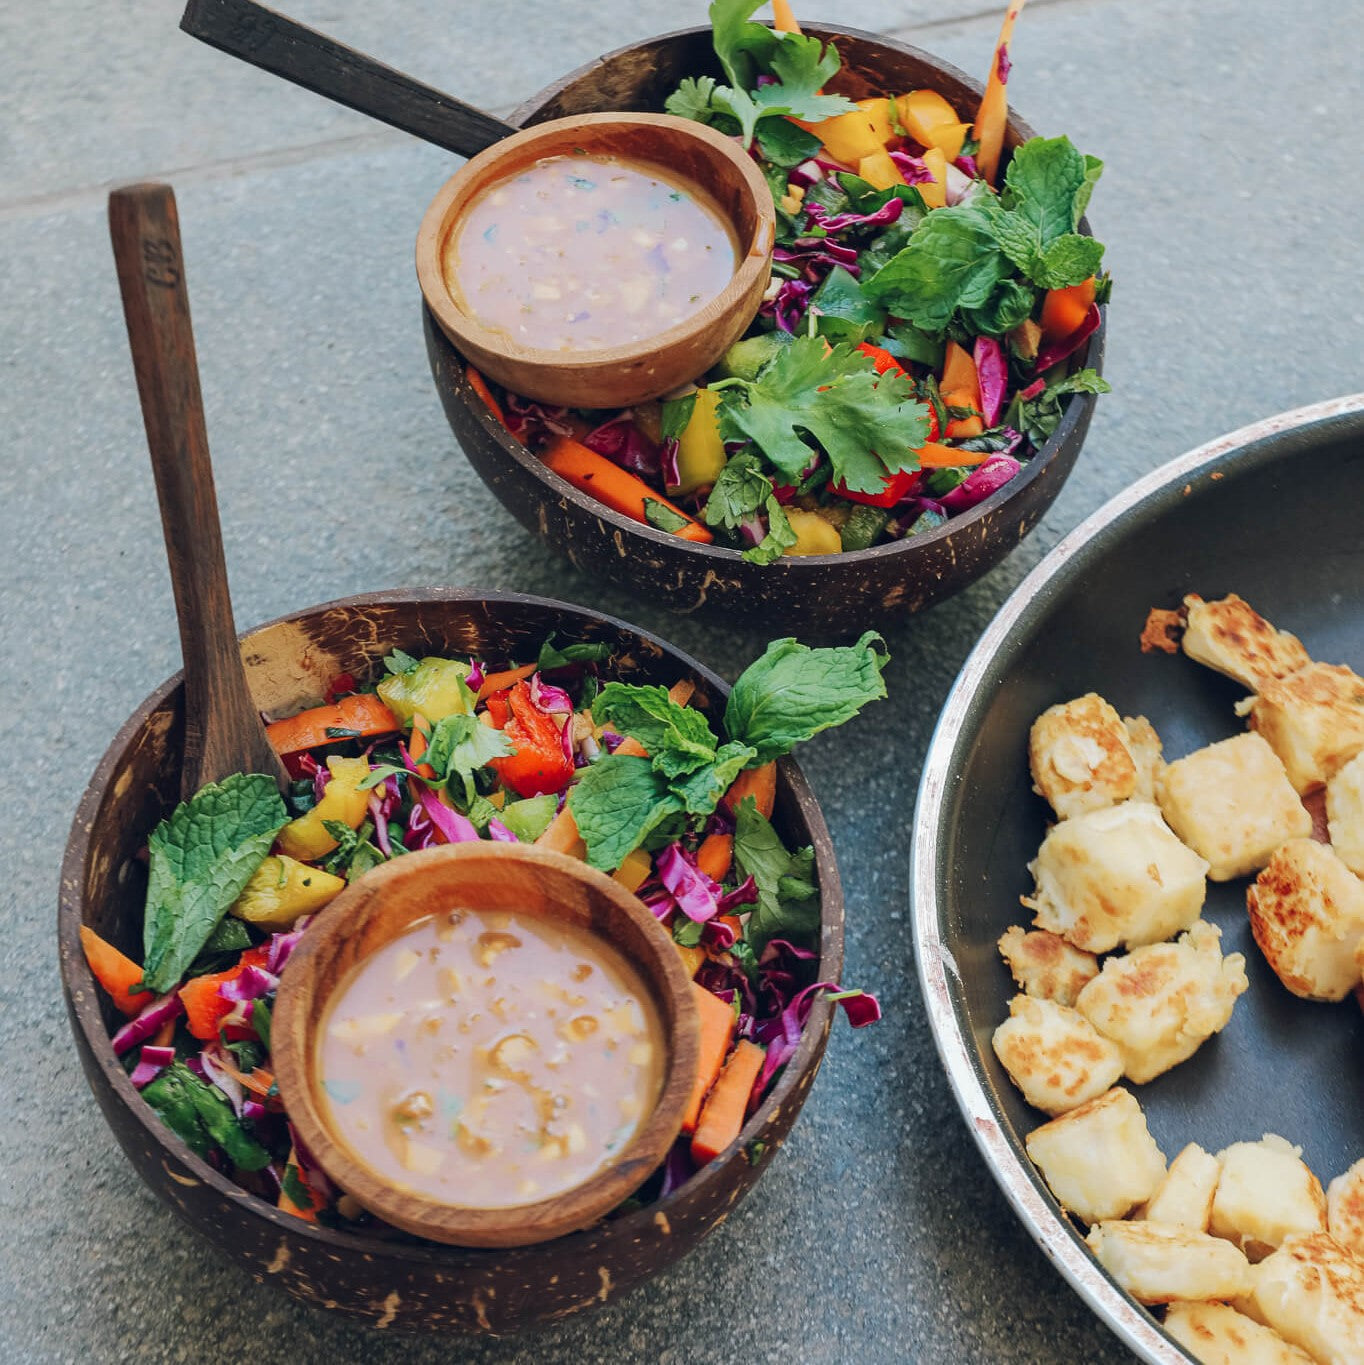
715 855
723 1115
1064 310
959 375
936 456
309 1214
992 119
362 712
419 743
783 20
499 682
115 972
717 1028
480 386
165 1035
561 836
630 747
616 487
680 692
760 784
963 426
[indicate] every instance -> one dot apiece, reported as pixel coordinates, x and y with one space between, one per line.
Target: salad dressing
586 252
489 1059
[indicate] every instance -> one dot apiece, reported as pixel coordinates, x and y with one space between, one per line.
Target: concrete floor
1231 207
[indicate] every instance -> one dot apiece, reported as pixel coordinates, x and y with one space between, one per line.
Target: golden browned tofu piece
1146 754
1099 1160
1054 1056
1160 1262
1314 720
1345 1209
1345 814
1311 1292
1080 756
1216 1334
1232 804
1184 1197
1161 1002
1116 876
1307 915
1230 636
1045 966
1264 1194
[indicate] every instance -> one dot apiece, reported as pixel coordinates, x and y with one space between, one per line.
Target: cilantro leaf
679 738
743 47
788 900
201 859
676 414
461 745
779 535
803 65
793 692
785 144
617 803
1045 174
1010 304
399 661
693 99
869 425
740 491
1038 417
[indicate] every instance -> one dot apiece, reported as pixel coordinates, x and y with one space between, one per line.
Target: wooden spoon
223 729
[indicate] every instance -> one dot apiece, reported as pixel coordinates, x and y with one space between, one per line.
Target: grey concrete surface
1231 206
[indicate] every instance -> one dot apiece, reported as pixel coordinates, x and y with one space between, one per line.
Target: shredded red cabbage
549 699
719 935
151 1062
695 893
912 168
819 216
474 678
967 164
987 477
787 307
251 983
279 946
498 831
782 1034
1057 351
530 422
1002 64
141 1028
228 1084
622 442
992 371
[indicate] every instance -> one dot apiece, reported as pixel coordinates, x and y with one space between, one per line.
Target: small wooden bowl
484 876
374 1274
619 375
819 597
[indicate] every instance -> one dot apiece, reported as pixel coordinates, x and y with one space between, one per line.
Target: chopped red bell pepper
539 764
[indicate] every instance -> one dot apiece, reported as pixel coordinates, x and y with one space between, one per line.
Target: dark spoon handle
223 730
277 44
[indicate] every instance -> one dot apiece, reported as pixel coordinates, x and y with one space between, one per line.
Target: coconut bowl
816 596
383 1276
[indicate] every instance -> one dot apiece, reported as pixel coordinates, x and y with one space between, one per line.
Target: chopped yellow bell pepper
878 118
692 958
934 191
848 137
922 113
948 138
814 535
879 171
634 870
436 688
700 449
283 889
306 838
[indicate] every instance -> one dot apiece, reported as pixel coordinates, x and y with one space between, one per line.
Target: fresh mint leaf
662 516
700 791
788 901
1011 303
1041 184
906 342
844 311
1094 168
793 692
679 738
1070 259
200 860
461 745
529 819
581 652
868 424
223 947
675 415
784 144
617 803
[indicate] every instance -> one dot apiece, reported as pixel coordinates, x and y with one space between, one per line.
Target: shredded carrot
165 1035
715 855
759 783
480 386
362 713
992 119
717 1028
680 692
114 971
419 743
630 747
499 682
722 1119
937 456
783 20
616 487
561 835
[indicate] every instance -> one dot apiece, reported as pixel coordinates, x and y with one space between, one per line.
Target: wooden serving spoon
223 729
275 43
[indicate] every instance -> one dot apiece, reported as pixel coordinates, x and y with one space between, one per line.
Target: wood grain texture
615 376
223 730
376 1274
483 876
264 38
819 597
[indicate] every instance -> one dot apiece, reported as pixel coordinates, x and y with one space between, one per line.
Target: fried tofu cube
1307 915
1081 757
1314 720
1160 1262
1230 636
1184 1198
1233 804
1217 1334
1311 1292
1054 1055
1045 966
1116 876
1345 814
1264 1194
1147 753
1161 1002
1099 1160
1345 1209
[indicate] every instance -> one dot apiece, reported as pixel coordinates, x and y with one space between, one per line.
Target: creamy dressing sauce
489 1059
586 252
